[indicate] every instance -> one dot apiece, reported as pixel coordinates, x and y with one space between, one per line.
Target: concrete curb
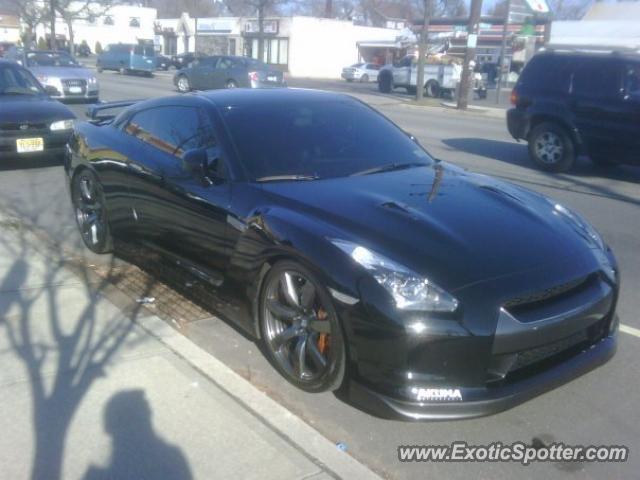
290 427
488 111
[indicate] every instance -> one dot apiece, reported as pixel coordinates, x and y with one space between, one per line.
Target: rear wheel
384 82
551 148
432 89
122 70
91 213
300 328
183 83
364 78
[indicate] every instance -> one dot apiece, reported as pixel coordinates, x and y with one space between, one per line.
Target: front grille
22 127
74 83
539 299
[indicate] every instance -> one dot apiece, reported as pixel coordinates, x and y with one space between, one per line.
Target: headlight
409 290
582 226
61 125
43 78
92 80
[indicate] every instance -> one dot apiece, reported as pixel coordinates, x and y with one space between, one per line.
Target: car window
596 80
146 50
225 63
173 129
323 138
546 74
206 61
50 59
16 81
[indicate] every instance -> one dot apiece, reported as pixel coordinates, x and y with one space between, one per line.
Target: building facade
9 28
301 46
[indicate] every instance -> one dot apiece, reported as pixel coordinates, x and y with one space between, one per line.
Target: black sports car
31 123
424 291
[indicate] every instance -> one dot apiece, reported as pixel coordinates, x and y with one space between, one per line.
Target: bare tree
72 10
31 12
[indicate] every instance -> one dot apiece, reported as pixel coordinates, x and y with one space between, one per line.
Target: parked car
183 60
31 123
426 290
208 73
361 72
440 78
68 79
4 47
83 50
128 58
572 103
163 62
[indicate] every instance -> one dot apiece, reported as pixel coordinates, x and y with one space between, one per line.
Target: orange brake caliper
323 338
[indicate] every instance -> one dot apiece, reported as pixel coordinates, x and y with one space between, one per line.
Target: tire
183 84
231 84
122 70
364 78
385 83
551 148
99 68
91 212
306 327
432 89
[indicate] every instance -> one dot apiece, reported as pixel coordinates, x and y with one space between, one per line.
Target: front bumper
486 401
54 145
506 343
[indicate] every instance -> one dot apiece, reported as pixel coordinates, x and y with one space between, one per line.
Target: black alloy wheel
91 214
300 328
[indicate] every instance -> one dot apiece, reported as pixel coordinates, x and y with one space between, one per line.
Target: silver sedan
60 74
361 72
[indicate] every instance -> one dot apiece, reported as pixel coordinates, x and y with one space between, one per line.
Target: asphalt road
599 408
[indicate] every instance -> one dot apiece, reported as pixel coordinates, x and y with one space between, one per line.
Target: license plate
26 145
75 89
272 78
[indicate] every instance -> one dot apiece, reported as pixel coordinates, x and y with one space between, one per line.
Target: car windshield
16 81
318 139
50 59
357 65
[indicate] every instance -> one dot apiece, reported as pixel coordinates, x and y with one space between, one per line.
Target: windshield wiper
276 178
388 168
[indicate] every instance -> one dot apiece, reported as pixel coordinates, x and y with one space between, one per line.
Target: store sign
538 6
268 26
214 26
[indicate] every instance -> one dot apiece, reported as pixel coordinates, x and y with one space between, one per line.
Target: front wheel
300 329
551 148
364 78
183 83
432 89
91 213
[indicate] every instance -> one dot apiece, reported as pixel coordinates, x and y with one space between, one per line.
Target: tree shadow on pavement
54 334
137 452
585 177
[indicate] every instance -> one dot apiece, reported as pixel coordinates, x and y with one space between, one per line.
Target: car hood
453 226
36 108
62 72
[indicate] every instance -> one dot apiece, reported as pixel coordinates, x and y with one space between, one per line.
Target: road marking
630 330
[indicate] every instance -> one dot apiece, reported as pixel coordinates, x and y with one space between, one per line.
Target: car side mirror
204 164
51 91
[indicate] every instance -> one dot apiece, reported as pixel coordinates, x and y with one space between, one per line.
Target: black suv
568 104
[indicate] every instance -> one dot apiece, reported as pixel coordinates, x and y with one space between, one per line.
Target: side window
546 74
206 62
596 80
173 129
225 63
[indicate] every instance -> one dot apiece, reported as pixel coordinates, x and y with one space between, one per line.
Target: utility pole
328 8
470 53
52 7
261 31
503 51
422 49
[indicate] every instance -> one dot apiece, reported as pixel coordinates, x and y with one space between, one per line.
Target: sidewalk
89 390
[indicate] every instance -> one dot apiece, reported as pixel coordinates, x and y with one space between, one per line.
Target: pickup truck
440 79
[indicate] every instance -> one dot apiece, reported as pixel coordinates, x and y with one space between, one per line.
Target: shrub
42 44
98 49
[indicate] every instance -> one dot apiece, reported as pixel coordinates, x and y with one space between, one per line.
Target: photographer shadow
137 452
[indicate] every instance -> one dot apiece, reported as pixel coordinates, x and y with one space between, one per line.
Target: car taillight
253 76
514 97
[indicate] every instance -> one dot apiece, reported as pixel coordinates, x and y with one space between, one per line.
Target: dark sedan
208 73
420 289
31 123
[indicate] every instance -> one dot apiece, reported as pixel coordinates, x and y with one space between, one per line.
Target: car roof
592 54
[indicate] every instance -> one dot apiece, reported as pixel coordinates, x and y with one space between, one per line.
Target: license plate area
272 78
27 145
75 90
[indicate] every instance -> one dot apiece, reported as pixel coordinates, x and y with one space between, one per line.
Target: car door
223 72
202 71
599 108
402 73
178 210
